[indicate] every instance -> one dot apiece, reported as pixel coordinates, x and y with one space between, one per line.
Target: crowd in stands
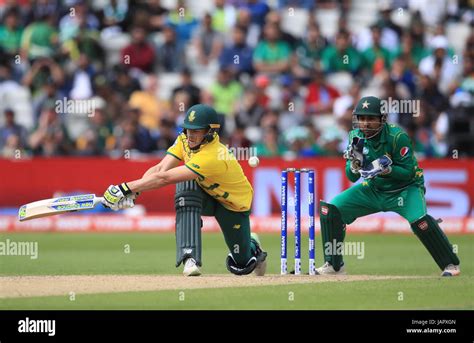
287 94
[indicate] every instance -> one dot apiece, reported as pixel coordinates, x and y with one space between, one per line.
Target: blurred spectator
321 96
50 138
270 145
40 38
463 95
274 17
147 101
249 112
411 51
400 73
261 85
180 104
84 41
10 32
225 92
208 42
183 22
139 53
308 52
330 142
237 55
77 17
167 134
149 14
171 57
433 101
81 79
272 54
46 96
142 139
223 16
189 87
258 10
244 20
43 70
9 128
291 103
344 105
123 83
377 58
238 139
41 8
114 14
341 56
102 126
439 65
390 32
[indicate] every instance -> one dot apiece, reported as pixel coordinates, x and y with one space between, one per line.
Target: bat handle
98 200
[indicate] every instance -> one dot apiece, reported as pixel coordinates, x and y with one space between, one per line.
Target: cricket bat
51 207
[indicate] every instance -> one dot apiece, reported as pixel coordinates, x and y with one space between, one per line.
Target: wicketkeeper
210 183
382 155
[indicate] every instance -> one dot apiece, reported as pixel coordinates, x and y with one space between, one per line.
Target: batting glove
114 195
380 166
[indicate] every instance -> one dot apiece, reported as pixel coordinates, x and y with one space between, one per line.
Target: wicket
284 219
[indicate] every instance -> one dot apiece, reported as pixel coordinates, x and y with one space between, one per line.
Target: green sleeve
353 177
404 162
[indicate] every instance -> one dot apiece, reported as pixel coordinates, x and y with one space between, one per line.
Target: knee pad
433 238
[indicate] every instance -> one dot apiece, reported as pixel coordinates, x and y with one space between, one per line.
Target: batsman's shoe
191 268
451 270
261 256
328 269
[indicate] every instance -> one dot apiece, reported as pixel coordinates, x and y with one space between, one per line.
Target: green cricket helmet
201 116
369 106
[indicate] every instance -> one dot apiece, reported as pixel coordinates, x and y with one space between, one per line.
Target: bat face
50 207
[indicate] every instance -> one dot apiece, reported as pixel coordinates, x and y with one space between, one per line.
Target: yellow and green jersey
219 173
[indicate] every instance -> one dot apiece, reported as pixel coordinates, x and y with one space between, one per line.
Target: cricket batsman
210 183
382 155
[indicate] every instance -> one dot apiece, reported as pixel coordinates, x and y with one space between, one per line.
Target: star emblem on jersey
236 226
365 104
192 116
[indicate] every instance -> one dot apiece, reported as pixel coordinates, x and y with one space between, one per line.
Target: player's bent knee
236 269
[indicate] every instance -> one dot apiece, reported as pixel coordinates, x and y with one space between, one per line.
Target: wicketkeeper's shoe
191 268
261 256
451 270
328 269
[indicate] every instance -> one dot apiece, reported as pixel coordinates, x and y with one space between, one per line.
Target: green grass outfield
154 254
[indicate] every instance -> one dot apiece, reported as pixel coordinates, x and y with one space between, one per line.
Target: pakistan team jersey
395 143
219 173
